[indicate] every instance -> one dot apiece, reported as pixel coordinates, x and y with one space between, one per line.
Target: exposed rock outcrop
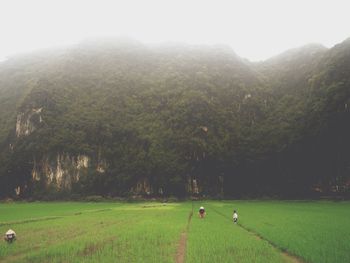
62 172
28 121
101 162
142 187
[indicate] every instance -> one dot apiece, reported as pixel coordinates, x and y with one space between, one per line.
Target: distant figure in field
10 236
235 216
201 212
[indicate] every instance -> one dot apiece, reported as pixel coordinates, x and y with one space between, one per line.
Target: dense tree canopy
171 114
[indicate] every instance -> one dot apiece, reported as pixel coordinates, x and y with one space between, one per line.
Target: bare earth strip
181 250
289 257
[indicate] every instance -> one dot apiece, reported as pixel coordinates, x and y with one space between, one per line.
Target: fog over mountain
118 118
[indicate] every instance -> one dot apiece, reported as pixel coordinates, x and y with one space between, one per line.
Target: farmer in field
235 216
10 236
201 212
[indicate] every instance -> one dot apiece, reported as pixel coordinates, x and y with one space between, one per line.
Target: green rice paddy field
268 231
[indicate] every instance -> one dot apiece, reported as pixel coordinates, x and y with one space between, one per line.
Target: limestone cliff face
142 187
102 164
63 171
28 121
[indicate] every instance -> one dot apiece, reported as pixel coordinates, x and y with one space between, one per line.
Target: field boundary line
181 250
46 218
30 220
285 253
153 206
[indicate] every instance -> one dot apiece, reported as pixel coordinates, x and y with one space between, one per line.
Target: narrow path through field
181 249
289 257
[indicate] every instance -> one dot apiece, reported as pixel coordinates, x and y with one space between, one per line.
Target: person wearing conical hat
201 212
10 236
235 216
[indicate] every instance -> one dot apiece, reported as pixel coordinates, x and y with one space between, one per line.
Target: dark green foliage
172 114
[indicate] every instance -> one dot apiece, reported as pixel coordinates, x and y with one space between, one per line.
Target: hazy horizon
151 44
255 30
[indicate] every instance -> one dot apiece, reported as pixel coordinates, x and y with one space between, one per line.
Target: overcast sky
255 29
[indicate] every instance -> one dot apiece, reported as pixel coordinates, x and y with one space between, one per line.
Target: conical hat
10 232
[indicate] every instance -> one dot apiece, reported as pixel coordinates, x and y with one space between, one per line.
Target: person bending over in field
10 236
235 216
201 212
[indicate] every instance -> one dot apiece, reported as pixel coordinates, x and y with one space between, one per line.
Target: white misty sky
254 29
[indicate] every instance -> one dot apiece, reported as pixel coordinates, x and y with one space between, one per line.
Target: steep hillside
117 117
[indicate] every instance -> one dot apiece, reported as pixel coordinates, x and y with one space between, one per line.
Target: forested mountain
117 117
